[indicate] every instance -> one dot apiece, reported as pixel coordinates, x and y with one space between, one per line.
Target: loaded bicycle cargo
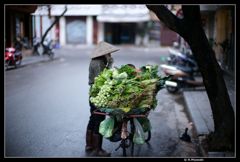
125 91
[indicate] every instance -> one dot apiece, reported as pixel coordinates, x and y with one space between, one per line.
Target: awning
104 13
123 18
124 13
22 8
72 10
209 7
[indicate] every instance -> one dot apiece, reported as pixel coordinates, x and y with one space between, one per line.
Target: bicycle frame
125 135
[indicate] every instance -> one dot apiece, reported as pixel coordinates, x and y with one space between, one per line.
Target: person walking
100 59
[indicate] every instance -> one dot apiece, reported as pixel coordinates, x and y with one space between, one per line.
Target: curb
31 60
199 110
203 121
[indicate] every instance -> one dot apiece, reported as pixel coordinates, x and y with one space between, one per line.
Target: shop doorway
76 29
120 33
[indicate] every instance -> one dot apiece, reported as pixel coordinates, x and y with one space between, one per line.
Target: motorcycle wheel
18 63
51 55
7 64
171 89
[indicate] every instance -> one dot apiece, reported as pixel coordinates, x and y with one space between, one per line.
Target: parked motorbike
181 77
182 59
48 49
13 57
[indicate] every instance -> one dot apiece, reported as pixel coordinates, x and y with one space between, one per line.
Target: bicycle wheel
132 147
124 146
148 136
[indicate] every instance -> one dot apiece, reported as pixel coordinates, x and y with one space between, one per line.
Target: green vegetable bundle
126 90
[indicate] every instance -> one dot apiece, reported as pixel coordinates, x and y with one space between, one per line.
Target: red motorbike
12 57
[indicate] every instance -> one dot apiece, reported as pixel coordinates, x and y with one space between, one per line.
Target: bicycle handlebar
129 115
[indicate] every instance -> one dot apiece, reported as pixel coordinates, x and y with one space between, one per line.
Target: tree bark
190 28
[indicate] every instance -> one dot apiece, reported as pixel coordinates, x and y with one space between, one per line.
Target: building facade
18 22
89 24
219 25
135 25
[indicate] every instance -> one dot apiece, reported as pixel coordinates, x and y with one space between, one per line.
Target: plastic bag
116 133
106 127
145 123
138 137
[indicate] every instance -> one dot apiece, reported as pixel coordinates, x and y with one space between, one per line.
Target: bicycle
126 137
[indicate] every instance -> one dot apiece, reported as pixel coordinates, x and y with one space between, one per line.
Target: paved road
46 108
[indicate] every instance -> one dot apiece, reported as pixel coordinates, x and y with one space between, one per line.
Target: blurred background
46 101
116 24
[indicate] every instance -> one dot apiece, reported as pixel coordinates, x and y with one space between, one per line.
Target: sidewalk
199 109
27 60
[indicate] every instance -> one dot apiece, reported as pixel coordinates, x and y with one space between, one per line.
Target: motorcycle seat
185 69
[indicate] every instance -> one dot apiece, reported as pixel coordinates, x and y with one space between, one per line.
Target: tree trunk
190 28
223 136
51 26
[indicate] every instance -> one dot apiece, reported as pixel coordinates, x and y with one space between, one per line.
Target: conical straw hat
103 48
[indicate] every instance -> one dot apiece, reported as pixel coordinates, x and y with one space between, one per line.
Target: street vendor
100 59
